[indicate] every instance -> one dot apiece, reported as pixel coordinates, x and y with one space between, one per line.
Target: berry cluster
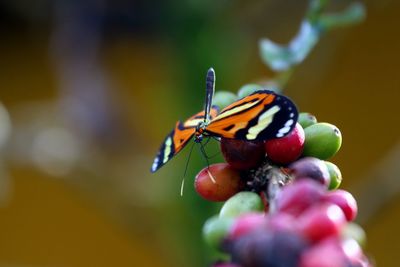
283 208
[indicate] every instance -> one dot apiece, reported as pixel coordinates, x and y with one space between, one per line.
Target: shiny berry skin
311 168
286 149
242 155
306 119
295 198
323 140
345 201
354 231
268 249
335 175
241 203
321 221
327 253
218 182
247 223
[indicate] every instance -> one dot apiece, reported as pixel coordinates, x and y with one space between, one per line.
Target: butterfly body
260 116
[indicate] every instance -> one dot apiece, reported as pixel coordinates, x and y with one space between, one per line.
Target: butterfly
259 116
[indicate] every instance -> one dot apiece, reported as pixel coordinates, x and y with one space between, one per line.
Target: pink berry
310 168
325 254
352 250
242 155
286 149
345 201
281 222
321 221
247 223
218 182
295 198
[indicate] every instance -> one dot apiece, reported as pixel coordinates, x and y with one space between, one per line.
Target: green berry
354 231
323 140
224 98
248 89
215 229
242 202
306 119
334 174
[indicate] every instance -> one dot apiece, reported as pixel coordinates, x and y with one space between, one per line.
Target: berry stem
276 181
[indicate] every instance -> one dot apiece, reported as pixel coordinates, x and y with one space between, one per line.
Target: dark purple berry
311 168
269 249
242 155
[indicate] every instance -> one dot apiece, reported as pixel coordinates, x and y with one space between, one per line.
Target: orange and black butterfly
260 116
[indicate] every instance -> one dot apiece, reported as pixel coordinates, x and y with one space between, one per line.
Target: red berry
247 223
242 155
295 198
321 221
345 201
311 168
286 149
218 182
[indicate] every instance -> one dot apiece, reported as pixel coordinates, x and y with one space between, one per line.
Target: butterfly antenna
208 163
186 168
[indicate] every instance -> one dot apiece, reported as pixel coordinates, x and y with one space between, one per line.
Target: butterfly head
198 136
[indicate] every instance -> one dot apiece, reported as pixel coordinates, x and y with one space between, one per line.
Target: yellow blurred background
89 89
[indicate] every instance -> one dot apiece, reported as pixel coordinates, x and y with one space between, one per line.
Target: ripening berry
288 148
218 182
247 223
242 202
327 253
268 249
334 174
215 229
295 198
323 140
321 221
345 201
311 168
241 154
306 119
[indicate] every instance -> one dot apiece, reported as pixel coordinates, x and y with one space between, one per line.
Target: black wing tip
211 71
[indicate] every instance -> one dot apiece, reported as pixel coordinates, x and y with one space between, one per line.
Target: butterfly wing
178 138
173 143
260 116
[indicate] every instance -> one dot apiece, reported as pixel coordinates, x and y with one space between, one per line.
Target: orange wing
260 116
178 138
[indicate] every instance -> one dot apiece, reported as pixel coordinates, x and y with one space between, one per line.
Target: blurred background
89 89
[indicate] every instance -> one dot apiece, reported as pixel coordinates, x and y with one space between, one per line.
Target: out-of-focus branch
283 58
